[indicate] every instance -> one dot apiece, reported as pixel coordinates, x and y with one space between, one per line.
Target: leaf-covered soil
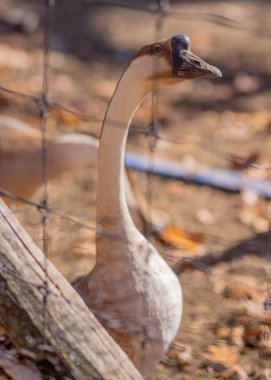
224 123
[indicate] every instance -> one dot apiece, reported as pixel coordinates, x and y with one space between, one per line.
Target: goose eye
157 49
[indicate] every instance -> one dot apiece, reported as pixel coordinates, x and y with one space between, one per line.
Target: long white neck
131 290
112 211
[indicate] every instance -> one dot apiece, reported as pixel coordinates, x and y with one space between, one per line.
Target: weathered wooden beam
63 325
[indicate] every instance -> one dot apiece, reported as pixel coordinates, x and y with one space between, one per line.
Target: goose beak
192 67
195 66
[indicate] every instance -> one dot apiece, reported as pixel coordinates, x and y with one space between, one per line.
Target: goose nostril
196 62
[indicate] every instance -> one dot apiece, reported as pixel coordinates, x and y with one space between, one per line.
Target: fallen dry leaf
221 357
3 334
235 373
65 118
180 238
233 335
239 287
180 354
253 328
254 211
241 163
17 371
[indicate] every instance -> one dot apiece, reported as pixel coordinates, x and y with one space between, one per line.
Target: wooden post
63 326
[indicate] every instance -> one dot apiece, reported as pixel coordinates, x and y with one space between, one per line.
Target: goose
20 160
20 155
131 290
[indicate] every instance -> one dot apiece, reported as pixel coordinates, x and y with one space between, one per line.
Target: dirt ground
223 123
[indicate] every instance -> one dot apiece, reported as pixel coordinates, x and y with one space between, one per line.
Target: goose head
169 61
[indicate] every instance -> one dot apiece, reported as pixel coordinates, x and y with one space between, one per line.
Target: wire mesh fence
154 133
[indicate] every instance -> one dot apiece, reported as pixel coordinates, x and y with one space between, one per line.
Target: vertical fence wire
44 113
153 135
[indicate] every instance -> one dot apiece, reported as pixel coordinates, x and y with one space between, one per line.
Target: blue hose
225 179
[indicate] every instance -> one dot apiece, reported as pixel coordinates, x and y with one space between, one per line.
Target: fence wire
162 11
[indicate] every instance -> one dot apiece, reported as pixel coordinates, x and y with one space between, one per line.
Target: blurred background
220 240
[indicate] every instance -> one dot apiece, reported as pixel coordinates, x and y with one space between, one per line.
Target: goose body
131 289
20 160
20 156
